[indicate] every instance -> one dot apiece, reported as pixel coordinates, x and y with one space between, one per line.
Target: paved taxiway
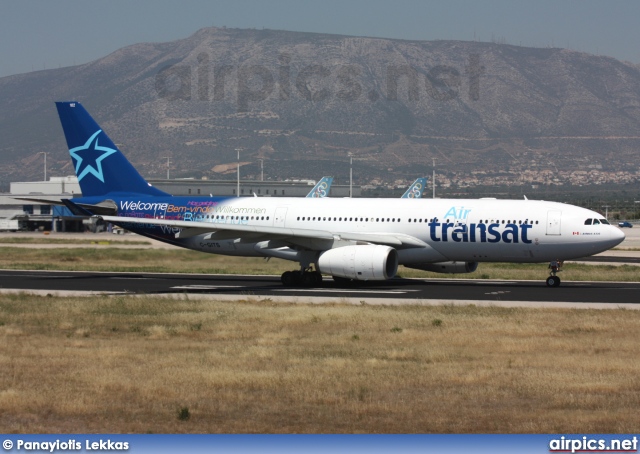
396 291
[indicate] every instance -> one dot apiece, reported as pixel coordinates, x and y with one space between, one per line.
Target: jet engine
365 262
446 267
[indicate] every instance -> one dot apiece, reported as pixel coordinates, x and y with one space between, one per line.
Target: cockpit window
588 222
604 221
596 222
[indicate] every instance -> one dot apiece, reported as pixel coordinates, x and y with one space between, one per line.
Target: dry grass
185 261
45 240
133 259
130 364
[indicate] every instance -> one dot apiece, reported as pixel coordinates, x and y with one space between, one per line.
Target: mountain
303 102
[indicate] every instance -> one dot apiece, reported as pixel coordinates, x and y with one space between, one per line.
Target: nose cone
617 236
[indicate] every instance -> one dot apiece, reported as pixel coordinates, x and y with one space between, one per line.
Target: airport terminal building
18 214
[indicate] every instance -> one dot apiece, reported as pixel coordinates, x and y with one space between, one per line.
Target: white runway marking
338 290
204 287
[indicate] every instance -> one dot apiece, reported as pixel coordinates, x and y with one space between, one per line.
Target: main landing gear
302 278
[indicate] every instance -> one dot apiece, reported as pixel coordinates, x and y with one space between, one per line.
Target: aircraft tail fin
416 189
100 166
322 188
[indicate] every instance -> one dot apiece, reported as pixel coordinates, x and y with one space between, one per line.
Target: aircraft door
280 217
553 222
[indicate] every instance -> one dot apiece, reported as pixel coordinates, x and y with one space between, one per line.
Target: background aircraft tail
100 166
322 188
416 189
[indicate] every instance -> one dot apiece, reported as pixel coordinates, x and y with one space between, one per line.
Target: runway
395 291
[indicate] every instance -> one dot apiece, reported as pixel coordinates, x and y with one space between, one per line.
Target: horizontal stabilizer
106 207
76 209
41 201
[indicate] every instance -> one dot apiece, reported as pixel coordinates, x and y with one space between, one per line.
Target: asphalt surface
396 291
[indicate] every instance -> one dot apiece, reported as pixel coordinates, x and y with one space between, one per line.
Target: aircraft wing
303 237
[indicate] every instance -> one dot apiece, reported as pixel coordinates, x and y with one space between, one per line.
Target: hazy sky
39 34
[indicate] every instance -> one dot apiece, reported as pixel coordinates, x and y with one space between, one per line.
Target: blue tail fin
322 188
101 168
416 189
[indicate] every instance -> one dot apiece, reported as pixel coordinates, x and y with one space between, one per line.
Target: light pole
45 164
262 170
350 175
238 171
168 165
433 178
606 211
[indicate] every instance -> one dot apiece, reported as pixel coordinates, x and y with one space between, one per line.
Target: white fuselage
477 230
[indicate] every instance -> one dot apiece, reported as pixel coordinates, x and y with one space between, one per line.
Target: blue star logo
89 157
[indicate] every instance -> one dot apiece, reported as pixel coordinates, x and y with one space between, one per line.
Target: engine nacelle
365 263
446 267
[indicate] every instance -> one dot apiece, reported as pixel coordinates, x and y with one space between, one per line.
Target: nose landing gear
553 281
554 267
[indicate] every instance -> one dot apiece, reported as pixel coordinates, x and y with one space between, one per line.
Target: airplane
324 185
416 189
350 239
414 192
322 188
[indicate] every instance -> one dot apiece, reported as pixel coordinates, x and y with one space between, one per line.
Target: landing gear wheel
342 280
288 278
299 279
308 280
553 281
312 279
